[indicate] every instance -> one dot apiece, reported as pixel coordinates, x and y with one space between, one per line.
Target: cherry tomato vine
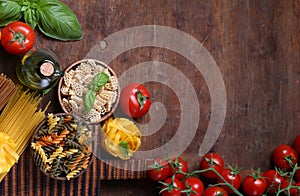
176 179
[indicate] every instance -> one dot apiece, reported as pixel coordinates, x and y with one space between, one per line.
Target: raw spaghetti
7 89
18 120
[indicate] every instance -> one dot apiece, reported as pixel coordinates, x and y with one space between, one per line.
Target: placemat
26 179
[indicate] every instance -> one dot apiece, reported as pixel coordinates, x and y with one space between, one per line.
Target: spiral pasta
67 146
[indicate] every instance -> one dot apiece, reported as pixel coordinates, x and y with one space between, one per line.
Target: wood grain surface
256 47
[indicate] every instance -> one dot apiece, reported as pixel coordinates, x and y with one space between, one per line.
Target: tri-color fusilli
62 146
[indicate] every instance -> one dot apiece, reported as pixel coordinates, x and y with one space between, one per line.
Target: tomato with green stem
192 186
215 191
273 180
288 187
17 38
233 177
179 167
135 100
211 160
254 184
285 157
171 187
159 169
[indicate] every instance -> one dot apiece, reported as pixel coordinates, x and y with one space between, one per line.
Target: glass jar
39 69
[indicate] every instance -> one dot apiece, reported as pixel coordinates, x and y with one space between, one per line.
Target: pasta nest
121 137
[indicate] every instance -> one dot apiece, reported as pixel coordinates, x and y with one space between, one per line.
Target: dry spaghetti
7 89
18 120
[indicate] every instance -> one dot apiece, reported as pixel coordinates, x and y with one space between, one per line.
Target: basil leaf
58 21
93 87
100 79
9 11
30 17
123 146
89 100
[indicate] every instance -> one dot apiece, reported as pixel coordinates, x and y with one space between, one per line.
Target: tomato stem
141 99
18 37
290 186
220 176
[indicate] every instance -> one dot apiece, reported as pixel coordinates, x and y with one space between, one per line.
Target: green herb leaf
58 21
93 87
30 17
89 100
28 8
100 79
124 148
9 11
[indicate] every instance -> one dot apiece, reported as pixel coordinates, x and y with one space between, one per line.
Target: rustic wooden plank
256 47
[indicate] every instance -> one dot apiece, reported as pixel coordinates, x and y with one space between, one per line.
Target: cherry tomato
17 38
297 175
135 100
298 190
273 180
211 160
215 191
193 186
284 157
171 187
159 169
232 176
178 165
296 144
254 185
290 191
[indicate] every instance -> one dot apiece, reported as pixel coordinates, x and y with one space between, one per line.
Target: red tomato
171 187
233 177
284 157
215 191
296 144
193 186
290 191
273 180
297 175
17 38
159 170
135 100
298 190
254 185
211 160
178 165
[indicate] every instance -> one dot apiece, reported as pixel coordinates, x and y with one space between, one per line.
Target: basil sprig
124 148
52 17
99 80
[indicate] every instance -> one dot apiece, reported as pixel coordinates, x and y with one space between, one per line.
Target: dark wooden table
255 45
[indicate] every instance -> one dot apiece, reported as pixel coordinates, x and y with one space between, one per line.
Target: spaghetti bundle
18 120
7 89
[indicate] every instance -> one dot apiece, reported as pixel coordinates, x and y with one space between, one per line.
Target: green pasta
62 146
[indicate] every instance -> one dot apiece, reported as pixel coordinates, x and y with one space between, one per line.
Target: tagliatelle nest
74 85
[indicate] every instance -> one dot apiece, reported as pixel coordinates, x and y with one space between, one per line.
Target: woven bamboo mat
26 179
